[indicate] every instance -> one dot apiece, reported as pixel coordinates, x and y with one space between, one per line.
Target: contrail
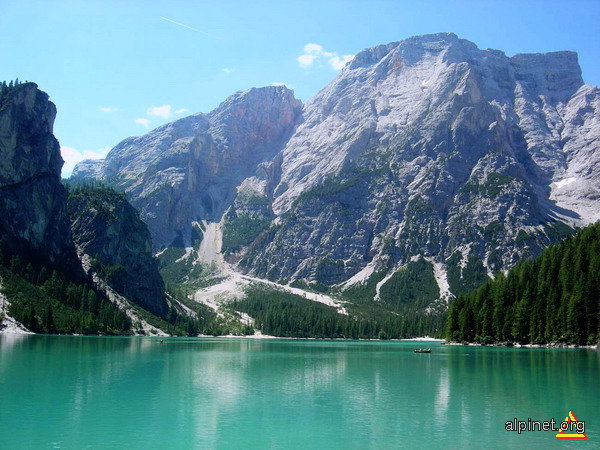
184 25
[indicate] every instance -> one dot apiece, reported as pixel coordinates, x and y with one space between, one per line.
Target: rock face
188 170
33 214
433 147
429 149
108 229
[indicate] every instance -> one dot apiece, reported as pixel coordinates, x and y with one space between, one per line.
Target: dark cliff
33 214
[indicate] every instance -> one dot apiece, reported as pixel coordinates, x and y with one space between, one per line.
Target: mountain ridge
423 148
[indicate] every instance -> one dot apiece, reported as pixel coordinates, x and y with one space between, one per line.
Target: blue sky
119 68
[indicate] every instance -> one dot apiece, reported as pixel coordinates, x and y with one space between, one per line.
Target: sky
116 69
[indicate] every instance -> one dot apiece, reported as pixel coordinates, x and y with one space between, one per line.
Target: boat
422 350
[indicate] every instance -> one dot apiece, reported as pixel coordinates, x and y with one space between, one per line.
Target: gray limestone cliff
188 170
433 148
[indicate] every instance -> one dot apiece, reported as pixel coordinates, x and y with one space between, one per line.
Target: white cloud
313 48
72 156
163 111
316 54
227 70
181 111
143 122
107 109
306 60
338 63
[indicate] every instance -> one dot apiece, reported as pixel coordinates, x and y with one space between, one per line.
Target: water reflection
273 393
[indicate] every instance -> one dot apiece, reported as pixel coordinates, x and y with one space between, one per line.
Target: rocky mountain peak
427 151
556 74
187 171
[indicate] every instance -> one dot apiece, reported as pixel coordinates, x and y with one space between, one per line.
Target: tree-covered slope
46 300
553 298
108 229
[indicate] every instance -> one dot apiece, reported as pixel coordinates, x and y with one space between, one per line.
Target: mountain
553 298
107 230
33 212
188 170
424 168
433 148
44 288
47 236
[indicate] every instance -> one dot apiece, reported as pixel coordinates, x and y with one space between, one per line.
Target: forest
551 299
46 301
280 313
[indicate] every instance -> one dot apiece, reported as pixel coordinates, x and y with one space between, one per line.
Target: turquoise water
97 392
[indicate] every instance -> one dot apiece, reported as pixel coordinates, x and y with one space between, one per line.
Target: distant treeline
553 298
284 314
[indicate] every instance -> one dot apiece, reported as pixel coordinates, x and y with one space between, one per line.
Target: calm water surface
97 392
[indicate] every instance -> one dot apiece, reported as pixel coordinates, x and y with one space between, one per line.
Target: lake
112 392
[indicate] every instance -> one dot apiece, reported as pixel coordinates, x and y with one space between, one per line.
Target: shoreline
553 345
267 336
258 336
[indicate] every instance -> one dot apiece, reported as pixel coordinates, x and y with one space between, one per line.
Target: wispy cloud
106 109
163 111
72 157
143 122
314 54
181 111
226 70
184 25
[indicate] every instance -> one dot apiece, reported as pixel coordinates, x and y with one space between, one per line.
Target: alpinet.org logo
570 428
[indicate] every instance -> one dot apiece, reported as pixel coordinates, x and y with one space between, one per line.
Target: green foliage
492 230
557 231
180 274
280 313
413 285
207 322
95 195
45 301
471 276
522 238
329 187
365 291
326 269
418 206
350 177
314 286
553 298
114 275
241 230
